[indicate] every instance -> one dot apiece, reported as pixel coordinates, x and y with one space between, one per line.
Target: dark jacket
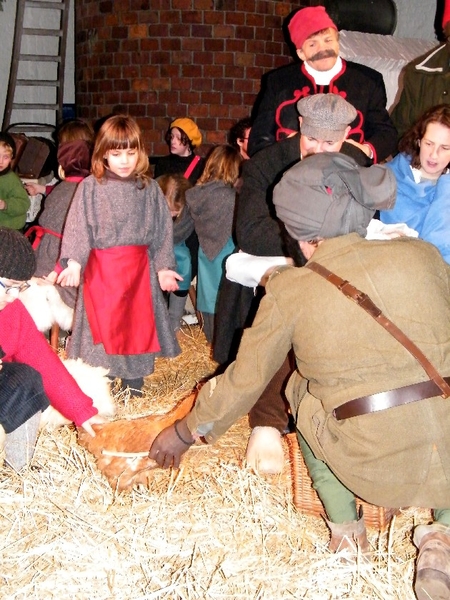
258 232
426 83
363 87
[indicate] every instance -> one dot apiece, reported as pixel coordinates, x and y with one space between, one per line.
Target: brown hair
118 133
410 142
74 130
174 188
184 138
223 164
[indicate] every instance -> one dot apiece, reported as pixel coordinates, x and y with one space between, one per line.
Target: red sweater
21 342
446 15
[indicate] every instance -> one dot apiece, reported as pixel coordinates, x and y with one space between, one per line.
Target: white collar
324 77
418 177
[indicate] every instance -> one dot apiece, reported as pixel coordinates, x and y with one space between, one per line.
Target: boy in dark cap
14 200
358 391
31 374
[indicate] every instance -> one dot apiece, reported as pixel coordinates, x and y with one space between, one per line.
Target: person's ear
300 54
347 131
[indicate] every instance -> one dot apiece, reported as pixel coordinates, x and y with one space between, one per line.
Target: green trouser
339 501
442 515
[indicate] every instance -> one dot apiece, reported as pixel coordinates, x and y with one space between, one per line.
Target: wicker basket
307 501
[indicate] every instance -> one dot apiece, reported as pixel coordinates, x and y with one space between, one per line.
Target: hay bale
212 530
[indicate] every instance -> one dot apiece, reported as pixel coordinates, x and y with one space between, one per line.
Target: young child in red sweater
31 375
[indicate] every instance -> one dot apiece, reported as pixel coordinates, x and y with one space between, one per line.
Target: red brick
191 17
214 71
182 5
231 99
191 97
214 45
141 85
150 44
128 97
171 71
189 44
150 70
223 58
214 18
137 31
235 18
218 110
170 17
234 72
158 31
173 44
211 97
203 58
224 31
120 85
191 71
204 31
233 45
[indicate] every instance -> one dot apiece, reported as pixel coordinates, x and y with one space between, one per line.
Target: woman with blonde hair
211 203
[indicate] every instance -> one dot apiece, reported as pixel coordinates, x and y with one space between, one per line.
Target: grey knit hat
17 260
327 195
325 116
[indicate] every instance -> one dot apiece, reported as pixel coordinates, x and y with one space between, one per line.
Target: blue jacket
423 206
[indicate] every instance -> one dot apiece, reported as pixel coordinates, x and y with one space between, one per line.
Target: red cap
307 22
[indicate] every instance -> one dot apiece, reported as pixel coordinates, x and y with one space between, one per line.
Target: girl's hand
71 275
51 277
168 280
2 205
95 420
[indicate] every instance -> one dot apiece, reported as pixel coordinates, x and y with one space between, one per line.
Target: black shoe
135 386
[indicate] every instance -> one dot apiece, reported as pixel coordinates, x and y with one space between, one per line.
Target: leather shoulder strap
364 301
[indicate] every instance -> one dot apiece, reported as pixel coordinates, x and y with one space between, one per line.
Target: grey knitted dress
119 212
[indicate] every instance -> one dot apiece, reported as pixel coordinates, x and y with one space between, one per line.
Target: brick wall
162 59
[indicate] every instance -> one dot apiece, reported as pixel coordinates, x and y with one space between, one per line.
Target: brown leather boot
433 562
349 536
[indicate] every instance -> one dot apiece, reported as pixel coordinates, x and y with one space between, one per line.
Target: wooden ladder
34 99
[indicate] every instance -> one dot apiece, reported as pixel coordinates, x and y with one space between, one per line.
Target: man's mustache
323 54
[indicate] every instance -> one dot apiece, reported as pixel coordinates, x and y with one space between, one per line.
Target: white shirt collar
324 77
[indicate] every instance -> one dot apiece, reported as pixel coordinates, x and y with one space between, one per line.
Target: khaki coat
396 457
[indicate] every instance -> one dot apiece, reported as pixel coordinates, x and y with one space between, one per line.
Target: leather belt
384 400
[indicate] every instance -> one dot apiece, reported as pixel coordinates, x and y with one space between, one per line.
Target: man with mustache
322 70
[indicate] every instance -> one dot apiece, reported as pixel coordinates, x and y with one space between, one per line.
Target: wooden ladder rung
50 5
38 82
31 127
29 106
39 58
42 32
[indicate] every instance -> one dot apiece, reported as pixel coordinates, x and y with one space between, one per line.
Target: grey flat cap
325 116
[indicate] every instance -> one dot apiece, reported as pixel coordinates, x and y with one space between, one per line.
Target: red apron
118 299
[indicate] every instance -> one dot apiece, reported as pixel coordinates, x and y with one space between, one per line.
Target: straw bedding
213 530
